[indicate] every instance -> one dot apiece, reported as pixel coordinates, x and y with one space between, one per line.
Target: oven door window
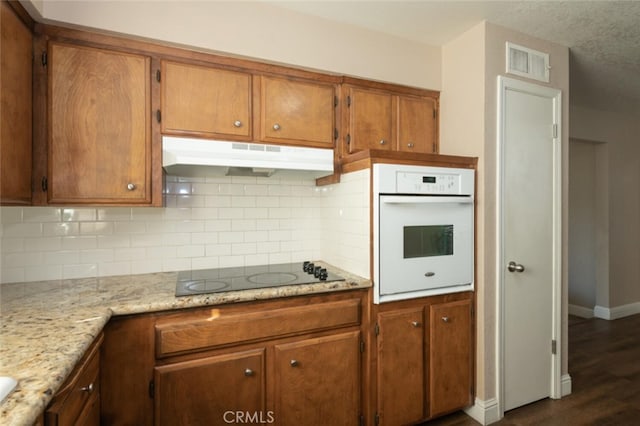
428 241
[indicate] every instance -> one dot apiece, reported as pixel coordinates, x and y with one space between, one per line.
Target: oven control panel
422 180
427 183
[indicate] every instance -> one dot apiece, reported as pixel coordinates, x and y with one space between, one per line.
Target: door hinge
44 58
361 346
554 348
158 75
348 101
376 329
555 130
152 389
44 184
377 419
158 116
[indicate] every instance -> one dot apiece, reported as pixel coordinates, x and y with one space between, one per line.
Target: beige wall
470 66
261 31
622 135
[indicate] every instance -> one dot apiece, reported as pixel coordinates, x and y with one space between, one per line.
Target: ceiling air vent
527 62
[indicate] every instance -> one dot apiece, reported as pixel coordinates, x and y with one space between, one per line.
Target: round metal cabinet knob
248 372
294 363
88 388
410 145
445 319
131 186
382 142
237 123
415 324
276 127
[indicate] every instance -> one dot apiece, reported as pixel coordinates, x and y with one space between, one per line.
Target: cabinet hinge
44 184
152 389
554 347
376 419
361 420
348 101
158 76
158 116
554 130
376 329
335 134
348 138
44 58
335 101
435 114
361 346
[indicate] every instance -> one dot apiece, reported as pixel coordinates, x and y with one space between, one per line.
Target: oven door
425 245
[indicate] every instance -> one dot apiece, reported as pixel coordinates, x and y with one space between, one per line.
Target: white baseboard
617 312
484 412
580 311
565 385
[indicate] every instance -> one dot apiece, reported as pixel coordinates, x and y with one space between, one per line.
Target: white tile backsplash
207 223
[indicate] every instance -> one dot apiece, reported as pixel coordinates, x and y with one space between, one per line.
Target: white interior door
530 233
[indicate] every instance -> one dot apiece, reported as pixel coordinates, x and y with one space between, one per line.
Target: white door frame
504 84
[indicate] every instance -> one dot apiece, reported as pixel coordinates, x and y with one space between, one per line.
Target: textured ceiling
603 36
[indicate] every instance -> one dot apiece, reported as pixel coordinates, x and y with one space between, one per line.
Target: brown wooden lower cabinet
211 390
78 400
424 363
317 381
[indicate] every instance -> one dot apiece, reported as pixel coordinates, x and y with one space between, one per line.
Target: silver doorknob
131 186
276 127
248 372
515 267
237 123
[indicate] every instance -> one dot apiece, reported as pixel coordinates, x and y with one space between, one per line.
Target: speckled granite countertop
45 327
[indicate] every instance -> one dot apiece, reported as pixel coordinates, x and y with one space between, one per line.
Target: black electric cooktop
250 277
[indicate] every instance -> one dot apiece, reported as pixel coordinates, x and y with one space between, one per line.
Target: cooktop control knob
323 274
316 271
305 265
310 267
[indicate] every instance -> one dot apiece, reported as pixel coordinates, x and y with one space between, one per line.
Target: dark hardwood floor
604 364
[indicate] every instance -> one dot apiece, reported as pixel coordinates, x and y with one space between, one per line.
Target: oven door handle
400 199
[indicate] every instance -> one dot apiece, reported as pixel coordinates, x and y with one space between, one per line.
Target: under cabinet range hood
202 157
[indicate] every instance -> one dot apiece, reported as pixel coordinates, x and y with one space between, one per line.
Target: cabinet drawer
80 389
176 336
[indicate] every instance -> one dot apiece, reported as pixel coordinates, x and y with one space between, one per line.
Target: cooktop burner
250 277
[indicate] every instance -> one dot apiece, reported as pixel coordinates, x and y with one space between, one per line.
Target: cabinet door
416 125
99 126
401 373
317 381
450 357
370 120
202 391
16 60
297 112
205 102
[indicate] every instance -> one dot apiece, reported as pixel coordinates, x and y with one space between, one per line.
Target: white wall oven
423 219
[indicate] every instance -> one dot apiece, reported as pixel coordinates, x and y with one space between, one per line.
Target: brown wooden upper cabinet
384 120
16 113
205 101
297 112
99 127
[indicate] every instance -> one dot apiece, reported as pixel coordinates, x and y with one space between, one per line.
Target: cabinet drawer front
70 403
223 329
